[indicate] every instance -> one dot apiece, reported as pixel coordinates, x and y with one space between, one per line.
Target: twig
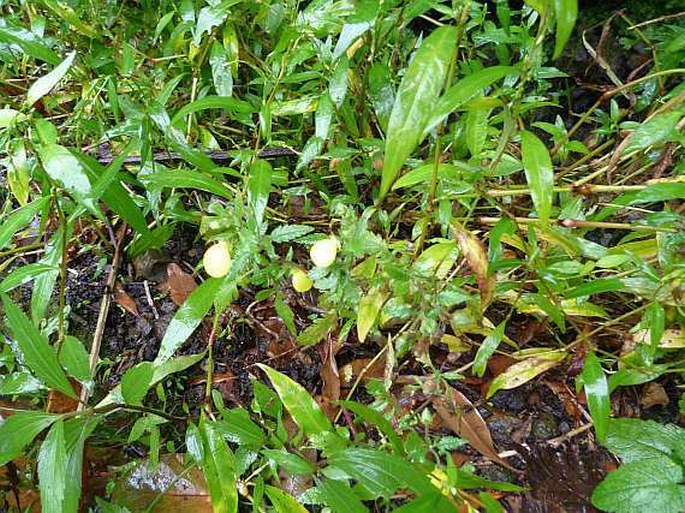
102 320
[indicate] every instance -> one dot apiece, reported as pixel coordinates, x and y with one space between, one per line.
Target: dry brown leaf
124 300
329 371
178 283
461 416
654 395
350 372
477 258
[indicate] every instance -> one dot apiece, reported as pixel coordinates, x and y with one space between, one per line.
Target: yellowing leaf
477 257
369 308
524 371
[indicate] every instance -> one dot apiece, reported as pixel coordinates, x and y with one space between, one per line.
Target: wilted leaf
525 370
125 301
369 307
477 257
178 283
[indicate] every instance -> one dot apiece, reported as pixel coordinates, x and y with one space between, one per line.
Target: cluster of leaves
408 139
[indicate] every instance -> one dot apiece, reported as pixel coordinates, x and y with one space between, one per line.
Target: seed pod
217 260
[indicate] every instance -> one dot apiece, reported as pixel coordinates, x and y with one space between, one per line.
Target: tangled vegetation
341 256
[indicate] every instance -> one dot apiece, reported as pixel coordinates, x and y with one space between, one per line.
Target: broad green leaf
524 371
539 173
10 116
238 109
378 421
597 393
464 90
380 473
595 287
222 76
52 463
637 439
19 218
186 178
648 485
369 307
237 427
658 129
65 169
44 284
427 502
340 497
31 44
381 93
76 431
283 502
566 12
37 354
24 274
18 169
74 358
46 83
187 318
19 430
291 463
258 188
422 174
136 382
302 407
487 349
415 99
219 469
477 129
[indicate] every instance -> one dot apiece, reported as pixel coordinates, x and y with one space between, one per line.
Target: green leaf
219 469
477 129
30 43
237 427
258 188
76 431
380 473
657 129
186 178
222 77
487 349
427 502
595 287
539 173
74 358
136 382
648 485
339 497
291 463
597 393
19 430
187 318
25 274
464 90
637 439
378 421
46 83
65 169
52 462
566 12
238 109
290 232
421 175
19 218
315 332
283 502
304 410
380 92
68 15
415 99
369 307
524 371
37 354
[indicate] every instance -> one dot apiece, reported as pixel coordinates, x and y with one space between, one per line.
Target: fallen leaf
350 372
477 258
178 283
329 371
525 370
60 403
461 416
124 300
654 395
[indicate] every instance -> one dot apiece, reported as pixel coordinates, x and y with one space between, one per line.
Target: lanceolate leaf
37 354
187 318
258 188
475 254
19 219
284 502
524 371
340 497
539 173
566 12
52 463
369 308
597 393
304 410
46 83
189 179
19 430
415 99
219 469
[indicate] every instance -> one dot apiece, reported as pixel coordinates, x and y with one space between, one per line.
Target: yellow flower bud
217 260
